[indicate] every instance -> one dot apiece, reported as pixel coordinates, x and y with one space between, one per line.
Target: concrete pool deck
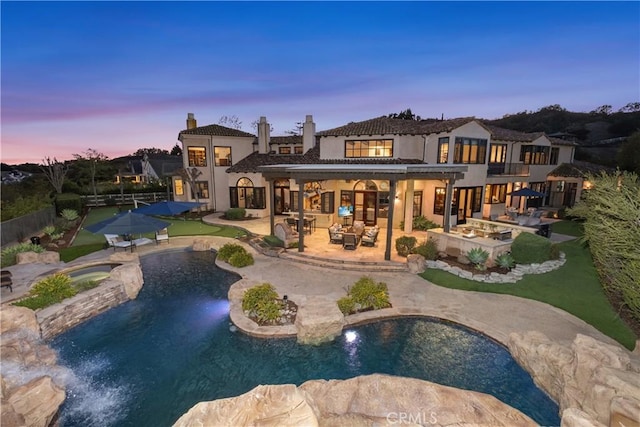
492 314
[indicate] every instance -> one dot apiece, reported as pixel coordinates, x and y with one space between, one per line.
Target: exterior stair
337 264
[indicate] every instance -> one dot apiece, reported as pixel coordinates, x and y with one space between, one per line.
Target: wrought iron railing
514 169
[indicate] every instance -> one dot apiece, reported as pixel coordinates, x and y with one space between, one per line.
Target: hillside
599 133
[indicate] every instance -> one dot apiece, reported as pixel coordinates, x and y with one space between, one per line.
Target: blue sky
118 76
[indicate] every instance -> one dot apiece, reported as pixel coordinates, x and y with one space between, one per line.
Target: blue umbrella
128 223
167 207
526 192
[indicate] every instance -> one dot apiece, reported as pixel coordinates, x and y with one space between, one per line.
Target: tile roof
387 126
215 130
502 134
289 139
579 169
255 159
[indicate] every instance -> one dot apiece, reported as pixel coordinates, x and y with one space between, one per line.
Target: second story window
470 150
298 149
197 156
443 150
222 156
498 153
284 150
368 148
555 154
534 154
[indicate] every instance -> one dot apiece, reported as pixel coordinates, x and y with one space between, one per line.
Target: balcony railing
513 169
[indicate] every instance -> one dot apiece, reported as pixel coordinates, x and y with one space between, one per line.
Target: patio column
408 206
272 225
448 198
392 202
300 215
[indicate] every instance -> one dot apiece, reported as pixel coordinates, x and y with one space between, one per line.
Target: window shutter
327 200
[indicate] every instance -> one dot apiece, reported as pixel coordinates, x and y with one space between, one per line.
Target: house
147 169
381 171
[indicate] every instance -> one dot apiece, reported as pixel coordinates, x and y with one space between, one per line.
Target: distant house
147 169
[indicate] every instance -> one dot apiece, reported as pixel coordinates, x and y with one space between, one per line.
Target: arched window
365 186
245 195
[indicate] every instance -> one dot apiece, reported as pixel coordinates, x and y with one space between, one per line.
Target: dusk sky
118 76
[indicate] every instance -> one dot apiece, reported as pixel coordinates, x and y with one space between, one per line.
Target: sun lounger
116 242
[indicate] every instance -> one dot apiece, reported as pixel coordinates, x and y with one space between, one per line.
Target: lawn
87 242
574 287
567 227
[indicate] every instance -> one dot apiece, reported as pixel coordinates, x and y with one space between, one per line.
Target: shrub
228 249
367 294
347 305
273 241
261 301
69 214
505 260
241 259
421 223
428 249
23 205
554 253
49 230
478 258
48 291
85 285
530 248
405 245
235 213
68 201
9 254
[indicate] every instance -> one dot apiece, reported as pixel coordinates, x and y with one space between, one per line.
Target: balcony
512 169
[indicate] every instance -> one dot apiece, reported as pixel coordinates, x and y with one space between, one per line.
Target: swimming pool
148 361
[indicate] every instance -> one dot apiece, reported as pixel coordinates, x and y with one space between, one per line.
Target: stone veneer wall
58 318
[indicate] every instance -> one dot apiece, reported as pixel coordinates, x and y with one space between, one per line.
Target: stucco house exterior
481 164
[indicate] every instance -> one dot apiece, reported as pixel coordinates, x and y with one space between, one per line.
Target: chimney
263 136
308 134
191 121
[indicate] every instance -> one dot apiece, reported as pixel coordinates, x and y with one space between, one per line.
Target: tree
191 175
631 107
176 150
92 159
612 229
149 151
404 115
232 122
254 126
603 110
55 172
629 154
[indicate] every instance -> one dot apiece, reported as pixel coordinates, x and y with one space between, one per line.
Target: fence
122 199
18 229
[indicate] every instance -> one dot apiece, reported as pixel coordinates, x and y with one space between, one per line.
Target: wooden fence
122 199
18 229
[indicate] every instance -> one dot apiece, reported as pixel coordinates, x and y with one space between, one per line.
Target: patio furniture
141 242
369 237
116 242
349 241
335 233
292 222
6 280
358 227
162 236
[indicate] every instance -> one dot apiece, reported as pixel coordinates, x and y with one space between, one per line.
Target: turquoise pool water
148 361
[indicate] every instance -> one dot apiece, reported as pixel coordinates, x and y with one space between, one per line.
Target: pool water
148 361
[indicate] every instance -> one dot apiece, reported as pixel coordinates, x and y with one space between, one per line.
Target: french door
364 207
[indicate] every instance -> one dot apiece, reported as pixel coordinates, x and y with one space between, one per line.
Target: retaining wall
60 317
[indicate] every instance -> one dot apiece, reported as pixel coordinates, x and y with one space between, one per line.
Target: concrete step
340 264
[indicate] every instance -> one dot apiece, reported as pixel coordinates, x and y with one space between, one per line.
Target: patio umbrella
167 207
128 223
526 192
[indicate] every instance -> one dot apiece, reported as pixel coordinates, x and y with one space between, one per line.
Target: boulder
37 401
201 245
49 257
587 377
573 417
13 318
416 263
26 257
131 276
319 320
266 405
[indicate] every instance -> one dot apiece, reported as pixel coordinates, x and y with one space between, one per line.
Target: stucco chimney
308 134
263 135
191 121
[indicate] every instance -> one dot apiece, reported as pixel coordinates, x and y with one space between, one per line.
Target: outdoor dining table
309 223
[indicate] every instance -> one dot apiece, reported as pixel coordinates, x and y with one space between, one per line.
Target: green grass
178 227
574 288
567 227
69 254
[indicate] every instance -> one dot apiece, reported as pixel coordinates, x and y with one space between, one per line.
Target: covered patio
393 173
